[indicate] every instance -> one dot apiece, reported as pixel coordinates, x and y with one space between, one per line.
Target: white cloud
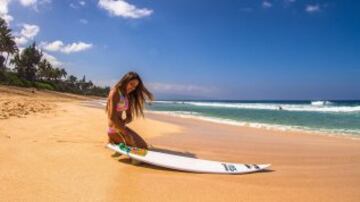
124 9
83 3
30 31
76 47
53 60
266 4
21 40
53 46
4 11
34 3
312 8
27 32
84 21
69 48
4 7
28 2
7 18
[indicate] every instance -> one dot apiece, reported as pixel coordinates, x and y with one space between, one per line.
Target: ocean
333 117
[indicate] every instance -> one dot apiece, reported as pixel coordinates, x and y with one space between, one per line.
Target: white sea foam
101 102
321 103
183 114
95 102
169 102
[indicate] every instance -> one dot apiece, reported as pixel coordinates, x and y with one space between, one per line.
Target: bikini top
123 103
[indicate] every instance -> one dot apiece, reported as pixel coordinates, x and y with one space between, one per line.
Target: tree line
29 68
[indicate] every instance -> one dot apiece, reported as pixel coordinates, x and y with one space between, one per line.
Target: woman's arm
113 115
128 115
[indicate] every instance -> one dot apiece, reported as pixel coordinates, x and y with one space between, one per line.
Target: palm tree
7 42
90 84
83 80
71 82
43 69
57 74
26 62
10 47
72 79
63 73
2 65
52 73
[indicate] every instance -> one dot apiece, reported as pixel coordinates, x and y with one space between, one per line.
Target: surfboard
183 163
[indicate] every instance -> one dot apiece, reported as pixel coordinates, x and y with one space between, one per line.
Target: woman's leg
135 139
115 138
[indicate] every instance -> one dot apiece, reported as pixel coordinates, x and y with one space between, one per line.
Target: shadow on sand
167 151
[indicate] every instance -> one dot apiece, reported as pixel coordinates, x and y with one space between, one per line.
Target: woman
126 100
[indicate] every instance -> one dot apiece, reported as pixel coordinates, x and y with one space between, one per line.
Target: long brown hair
136 97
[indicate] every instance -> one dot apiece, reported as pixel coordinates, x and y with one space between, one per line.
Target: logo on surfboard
232 168
132 150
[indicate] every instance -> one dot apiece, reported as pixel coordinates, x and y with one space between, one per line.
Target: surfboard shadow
149 166
267 170
168 151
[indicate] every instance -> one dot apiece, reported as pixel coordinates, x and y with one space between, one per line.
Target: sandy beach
52 149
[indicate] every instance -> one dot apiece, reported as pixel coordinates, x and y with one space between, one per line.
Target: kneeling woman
126 100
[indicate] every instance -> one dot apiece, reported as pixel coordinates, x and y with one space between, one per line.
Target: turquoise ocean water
336 117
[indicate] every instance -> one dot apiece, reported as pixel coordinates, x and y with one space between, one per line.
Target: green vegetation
30 69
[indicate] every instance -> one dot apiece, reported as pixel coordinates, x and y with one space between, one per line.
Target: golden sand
57 153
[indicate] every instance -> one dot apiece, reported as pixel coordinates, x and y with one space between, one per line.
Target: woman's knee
137 140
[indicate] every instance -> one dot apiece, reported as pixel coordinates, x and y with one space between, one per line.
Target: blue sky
231 49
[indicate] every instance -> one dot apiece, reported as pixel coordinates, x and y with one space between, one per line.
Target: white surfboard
185 163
